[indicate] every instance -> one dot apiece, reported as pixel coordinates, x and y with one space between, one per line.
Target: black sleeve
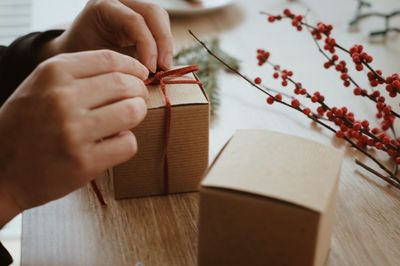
19 59
5 257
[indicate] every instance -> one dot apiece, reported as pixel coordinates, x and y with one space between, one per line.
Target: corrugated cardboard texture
268 199
244 229
188 145
179 94
278 166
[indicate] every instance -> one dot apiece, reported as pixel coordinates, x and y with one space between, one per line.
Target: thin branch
389 180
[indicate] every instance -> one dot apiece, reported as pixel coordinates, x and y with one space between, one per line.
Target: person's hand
135 28
67 122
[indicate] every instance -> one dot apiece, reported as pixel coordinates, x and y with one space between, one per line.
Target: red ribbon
164 78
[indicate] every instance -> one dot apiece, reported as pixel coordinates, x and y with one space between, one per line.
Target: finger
115 150
92 63
131 25
157 20
105 89
114 118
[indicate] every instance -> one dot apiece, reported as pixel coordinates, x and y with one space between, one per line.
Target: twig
389 180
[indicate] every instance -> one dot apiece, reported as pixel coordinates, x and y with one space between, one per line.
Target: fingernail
153 64
167 61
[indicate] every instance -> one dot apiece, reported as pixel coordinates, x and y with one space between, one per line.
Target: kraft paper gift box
143 175
268 199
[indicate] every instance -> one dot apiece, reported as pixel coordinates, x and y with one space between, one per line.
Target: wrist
50 48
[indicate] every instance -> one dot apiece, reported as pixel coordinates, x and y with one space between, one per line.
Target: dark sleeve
19 59
5 257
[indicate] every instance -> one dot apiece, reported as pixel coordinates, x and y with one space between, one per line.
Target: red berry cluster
273 18
286 75
393 84
317 97
330 44
359 57
297 20
332 61
299 90
271 100
374 79
321 30
262 56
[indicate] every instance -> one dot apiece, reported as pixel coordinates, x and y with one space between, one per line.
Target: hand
65 124
131 27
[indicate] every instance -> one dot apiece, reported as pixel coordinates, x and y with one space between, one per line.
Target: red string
98 192
164 78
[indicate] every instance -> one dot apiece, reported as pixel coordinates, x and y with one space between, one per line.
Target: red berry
257 80
365 124
359 67
375 131
357 91
339 113
314 99
307 111
295 103
339 134
278 97
379 145
374 83
287 12
386 140
321 110
391 152
276 75
271 19
270 100
357 126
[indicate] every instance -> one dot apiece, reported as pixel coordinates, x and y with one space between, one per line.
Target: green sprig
209 67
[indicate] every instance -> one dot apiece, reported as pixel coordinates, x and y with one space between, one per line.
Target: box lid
179 94
279 166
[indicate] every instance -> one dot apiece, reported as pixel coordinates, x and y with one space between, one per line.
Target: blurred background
18 17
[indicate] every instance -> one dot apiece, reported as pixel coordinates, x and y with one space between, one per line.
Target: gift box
268 199
172 140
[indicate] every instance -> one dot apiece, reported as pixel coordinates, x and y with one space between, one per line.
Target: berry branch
356 130
360 59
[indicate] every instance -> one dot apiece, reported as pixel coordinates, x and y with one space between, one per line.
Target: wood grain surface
75 230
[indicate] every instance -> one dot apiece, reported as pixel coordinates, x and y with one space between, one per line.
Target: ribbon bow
164 78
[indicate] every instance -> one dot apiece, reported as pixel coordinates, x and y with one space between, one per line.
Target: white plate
182 7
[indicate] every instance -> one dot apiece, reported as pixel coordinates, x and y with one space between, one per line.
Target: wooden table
75 230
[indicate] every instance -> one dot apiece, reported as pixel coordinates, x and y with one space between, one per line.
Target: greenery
209 67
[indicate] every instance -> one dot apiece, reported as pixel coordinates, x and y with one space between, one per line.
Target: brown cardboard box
268 199
188 144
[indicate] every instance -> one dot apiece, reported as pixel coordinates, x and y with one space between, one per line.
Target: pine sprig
209 67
